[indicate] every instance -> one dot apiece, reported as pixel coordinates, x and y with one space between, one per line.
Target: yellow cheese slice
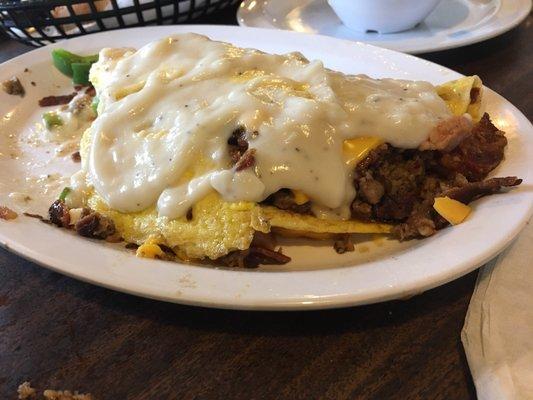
300 197
451 210
355 150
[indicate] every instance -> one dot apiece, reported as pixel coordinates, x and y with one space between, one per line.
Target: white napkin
498 331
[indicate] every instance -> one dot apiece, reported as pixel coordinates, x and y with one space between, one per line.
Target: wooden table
61 333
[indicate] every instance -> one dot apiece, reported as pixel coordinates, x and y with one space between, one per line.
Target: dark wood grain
58 332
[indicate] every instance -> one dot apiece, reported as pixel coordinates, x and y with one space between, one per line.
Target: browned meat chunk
419 224
284 200
371 190
238 144
361 210
59 214
13 87
344 244
95 225
372 158
411 179
91 224
76 157
264 240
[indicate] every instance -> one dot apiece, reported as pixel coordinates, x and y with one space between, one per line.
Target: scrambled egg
463 96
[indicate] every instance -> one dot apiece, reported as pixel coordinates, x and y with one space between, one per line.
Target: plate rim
331 301
527 6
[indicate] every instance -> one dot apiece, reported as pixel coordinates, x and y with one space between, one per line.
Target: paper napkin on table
498 331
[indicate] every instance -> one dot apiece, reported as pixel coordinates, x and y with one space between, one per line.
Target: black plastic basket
36 22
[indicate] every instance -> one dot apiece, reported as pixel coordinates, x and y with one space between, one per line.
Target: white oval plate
317 277
454 23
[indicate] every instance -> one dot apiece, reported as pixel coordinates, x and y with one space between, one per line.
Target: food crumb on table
25 391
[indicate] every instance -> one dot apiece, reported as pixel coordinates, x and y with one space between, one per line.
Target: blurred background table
60 333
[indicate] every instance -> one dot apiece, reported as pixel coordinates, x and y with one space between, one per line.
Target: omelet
194 205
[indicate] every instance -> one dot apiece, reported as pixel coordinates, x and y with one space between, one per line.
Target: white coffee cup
383 16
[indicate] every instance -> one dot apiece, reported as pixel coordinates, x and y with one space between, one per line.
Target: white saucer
454 23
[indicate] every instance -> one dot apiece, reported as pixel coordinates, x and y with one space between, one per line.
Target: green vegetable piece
52 120
94 104
90 59
64 59
64 193
80 73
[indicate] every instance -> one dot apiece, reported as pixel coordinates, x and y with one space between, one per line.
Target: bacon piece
448 134
474 190
479 153
253 257
262 256
247 160
90 91
56 100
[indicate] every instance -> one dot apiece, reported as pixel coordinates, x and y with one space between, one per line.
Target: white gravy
197 92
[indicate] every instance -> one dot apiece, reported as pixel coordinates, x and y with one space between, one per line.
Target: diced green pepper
94 104
64 60
64 193
51 120
80 73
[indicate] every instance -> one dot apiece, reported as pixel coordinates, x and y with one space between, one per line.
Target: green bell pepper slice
80 73
64 193
64 61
